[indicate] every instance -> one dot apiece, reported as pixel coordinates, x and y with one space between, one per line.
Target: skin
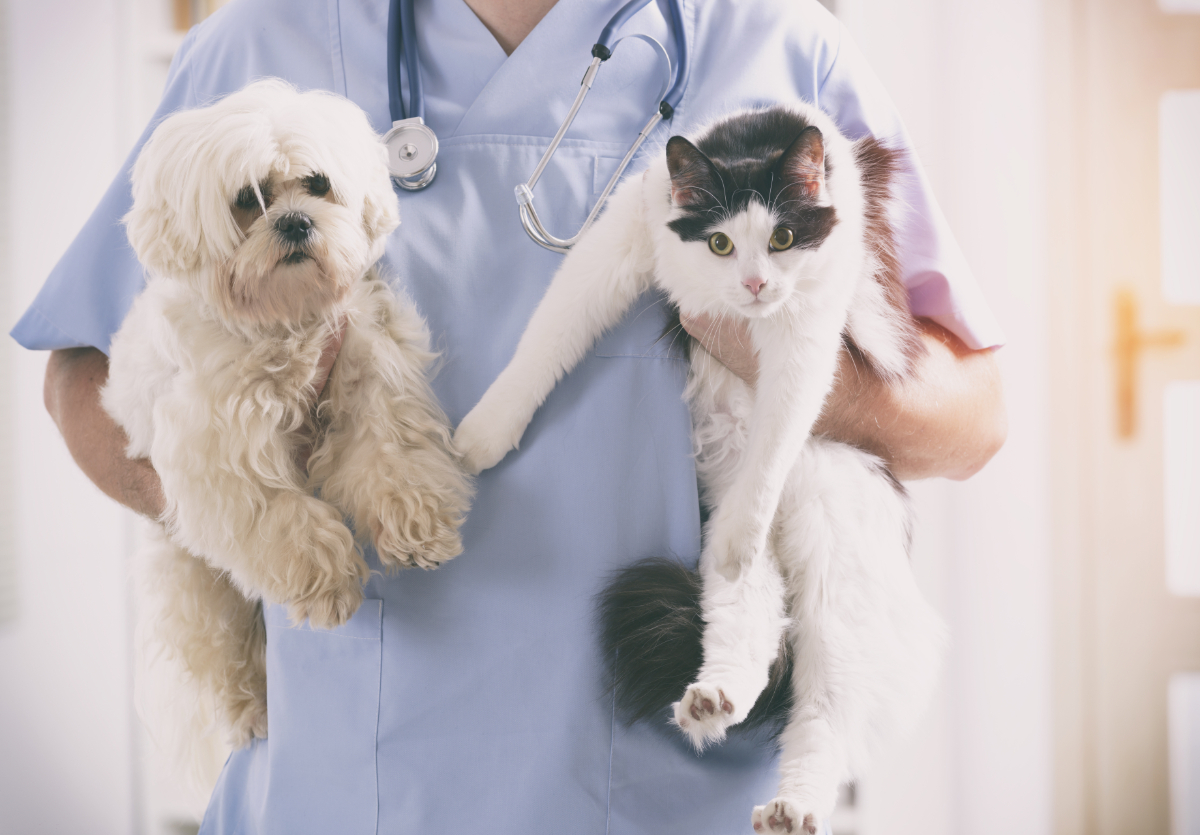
948 419
74 377
510 21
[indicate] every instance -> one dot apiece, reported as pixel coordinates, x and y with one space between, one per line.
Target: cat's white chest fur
773 218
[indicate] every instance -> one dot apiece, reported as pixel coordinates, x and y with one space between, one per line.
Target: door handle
1128 346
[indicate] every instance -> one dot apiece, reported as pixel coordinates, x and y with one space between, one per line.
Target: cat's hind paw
704 714
782 817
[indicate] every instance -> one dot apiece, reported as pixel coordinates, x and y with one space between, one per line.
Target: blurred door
1123 341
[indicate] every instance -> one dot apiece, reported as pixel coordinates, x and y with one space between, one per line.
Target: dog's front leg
235 496
385 455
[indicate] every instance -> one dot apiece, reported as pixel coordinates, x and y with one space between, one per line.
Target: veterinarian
470 697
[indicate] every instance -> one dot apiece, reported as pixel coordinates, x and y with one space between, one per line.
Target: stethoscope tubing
402 30
409 122
670 97
533 224
608 40
412 145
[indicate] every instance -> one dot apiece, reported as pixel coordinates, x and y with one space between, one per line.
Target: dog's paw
324 571
704 714
330 590
410 532
248 720
783 817
486 435
329 606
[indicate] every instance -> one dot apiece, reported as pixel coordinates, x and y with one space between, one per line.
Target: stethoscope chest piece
412 150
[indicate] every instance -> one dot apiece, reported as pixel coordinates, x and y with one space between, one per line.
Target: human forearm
74 378
946 419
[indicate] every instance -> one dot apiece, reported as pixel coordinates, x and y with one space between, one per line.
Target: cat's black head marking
773 156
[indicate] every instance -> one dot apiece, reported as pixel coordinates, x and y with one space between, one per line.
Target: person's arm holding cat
947 419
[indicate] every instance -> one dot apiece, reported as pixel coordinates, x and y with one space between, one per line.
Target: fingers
727 339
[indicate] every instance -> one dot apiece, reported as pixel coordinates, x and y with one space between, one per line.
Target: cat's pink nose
754 285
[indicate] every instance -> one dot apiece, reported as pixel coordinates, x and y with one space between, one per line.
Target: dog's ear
381 213
179 206
152 224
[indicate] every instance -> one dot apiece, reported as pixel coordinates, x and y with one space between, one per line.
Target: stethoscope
412 146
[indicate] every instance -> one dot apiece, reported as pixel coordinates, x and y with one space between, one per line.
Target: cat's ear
803 163
694 180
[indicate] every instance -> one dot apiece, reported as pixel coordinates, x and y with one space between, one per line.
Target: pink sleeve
940 284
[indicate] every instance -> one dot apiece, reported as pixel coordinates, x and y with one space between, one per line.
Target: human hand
727 339
946 419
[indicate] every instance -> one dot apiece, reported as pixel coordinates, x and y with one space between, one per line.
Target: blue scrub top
471 696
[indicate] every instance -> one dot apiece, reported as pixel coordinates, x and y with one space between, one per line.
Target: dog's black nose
294 226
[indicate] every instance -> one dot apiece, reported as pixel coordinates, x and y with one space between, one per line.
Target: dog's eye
317 185
246 200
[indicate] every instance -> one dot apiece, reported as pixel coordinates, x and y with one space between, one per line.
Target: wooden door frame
1074 775
1075 424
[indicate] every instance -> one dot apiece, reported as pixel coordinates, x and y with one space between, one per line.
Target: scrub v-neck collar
472 87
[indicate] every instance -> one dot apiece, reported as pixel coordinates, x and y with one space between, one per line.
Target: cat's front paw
733 546
704 714
409 532
486 435
783 817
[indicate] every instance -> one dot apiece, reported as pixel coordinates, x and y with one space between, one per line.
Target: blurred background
1061 137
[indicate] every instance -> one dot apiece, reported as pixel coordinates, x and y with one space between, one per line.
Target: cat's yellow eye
720 244
781 238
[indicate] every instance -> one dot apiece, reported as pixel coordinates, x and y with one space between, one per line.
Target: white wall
968 78
66 732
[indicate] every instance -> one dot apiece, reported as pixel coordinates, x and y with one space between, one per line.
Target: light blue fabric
470 697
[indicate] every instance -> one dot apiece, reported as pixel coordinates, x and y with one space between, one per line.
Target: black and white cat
770 216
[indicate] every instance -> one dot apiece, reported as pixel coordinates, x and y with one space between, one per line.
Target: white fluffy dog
259 219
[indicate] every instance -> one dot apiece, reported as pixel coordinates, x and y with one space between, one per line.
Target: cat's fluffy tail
651 627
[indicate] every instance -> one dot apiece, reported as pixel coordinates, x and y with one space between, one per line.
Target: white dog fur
259 219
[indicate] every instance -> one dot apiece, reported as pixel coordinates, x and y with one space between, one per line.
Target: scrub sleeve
472 696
